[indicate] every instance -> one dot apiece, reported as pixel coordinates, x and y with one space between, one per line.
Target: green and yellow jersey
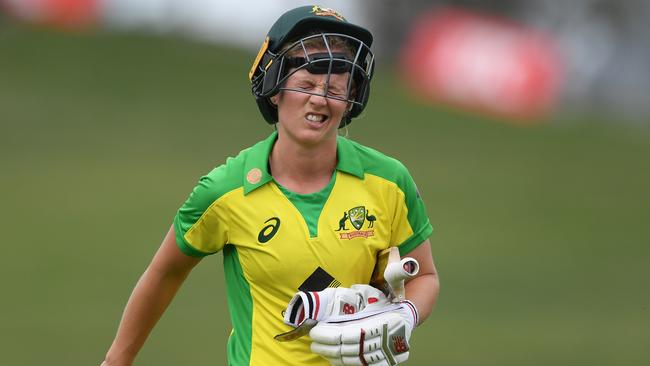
276 242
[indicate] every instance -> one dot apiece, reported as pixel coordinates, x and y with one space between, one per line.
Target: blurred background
525 123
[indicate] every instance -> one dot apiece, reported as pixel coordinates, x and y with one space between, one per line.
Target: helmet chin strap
347 131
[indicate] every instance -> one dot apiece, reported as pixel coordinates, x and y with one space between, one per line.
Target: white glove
308 308
377 335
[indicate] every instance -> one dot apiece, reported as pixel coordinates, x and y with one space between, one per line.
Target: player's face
307 118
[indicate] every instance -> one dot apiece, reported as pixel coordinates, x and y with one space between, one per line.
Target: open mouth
316 117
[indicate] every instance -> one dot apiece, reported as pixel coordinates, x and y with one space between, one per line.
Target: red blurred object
58 13
482 63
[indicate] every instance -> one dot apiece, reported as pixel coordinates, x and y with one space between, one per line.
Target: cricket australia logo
357 216
327 12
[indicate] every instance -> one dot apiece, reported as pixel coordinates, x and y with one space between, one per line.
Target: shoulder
224 178
377 163
227 176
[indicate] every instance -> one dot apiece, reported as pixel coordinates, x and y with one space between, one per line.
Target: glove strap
414 311
304 305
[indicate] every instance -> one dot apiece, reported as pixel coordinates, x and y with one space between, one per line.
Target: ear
274 99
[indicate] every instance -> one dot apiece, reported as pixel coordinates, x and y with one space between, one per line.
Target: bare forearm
151 296
423 292
149 299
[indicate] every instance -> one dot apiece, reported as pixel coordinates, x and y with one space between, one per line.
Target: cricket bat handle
395 274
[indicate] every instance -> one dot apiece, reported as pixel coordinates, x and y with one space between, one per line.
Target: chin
304 134
314 137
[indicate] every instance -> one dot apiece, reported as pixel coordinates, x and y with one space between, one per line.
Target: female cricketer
300 218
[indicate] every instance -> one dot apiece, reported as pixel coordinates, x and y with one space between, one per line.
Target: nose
319 98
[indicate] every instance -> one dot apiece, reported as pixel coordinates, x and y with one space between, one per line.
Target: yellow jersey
276 242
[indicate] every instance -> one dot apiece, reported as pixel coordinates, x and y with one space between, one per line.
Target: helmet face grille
320 54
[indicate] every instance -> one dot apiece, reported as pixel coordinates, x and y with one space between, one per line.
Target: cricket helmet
283 53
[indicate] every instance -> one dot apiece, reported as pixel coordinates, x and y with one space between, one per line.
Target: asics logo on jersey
269 230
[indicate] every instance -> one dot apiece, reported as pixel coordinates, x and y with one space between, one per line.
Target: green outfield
541 233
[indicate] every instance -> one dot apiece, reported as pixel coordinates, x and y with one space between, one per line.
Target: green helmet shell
266 74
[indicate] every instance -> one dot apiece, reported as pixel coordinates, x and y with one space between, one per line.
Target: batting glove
377 335
306 309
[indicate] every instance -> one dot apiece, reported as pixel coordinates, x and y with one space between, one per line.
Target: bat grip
397 272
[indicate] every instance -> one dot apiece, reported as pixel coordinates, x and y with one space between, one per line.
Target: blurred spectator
604 44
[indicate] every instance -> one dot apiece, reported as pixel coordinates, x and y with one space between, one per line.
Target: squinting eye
336 92
304 86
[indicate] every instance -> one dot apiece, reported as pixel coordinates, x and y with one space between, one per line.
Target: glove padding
306 309
377 335
330 302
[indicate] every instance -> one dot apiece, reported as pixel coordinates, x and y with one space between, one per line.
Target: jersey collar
348 156
256 171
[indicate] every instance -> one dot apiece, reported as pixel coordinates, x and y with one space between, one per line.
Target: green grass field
541 237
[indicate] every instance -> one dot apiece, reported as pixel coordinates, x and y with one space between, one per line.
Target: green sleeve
417 214
200 224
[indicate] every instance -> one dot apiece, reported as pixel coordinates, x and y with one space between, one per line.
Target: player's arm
149 299
422 290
